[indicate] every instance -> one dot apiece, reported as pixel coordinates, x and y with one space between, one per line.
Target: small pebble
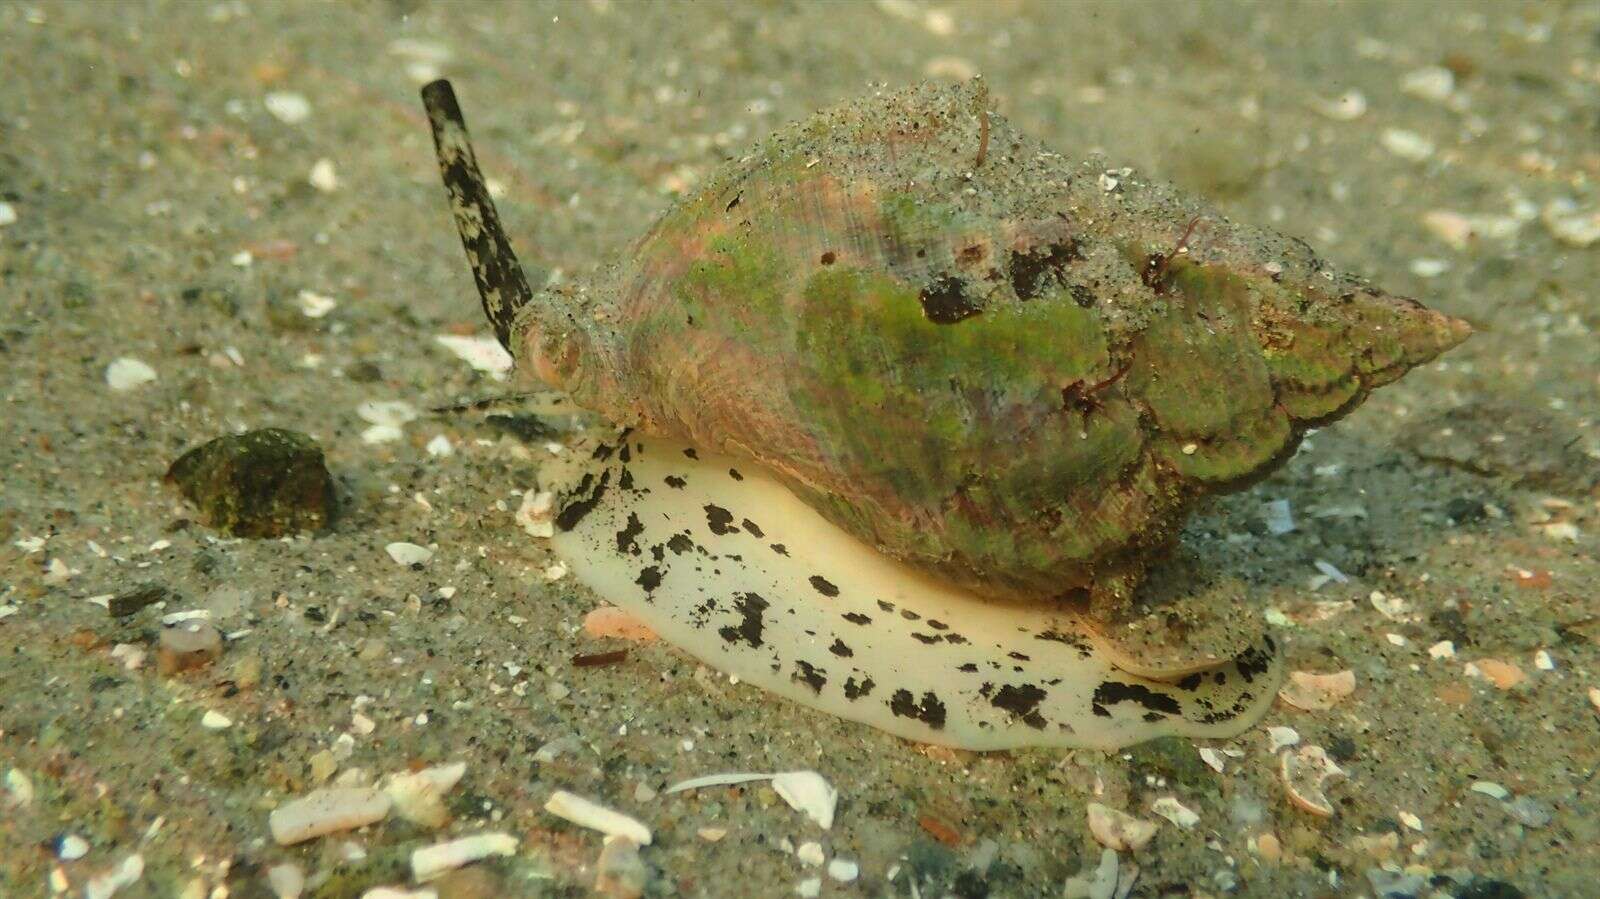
187 645
620 871
287 880
264 483
1529 811
1347 107
810 888
215 720
843 871
1570 224
1407 145
71 847
1429 268
408 554
810 853
8 214
323 176
1435 83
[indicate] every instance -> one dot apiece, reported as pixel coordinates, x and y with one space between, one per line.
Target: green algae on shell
1001 375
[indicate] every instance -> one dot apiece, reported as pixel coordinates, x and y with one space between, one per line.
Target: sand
242 199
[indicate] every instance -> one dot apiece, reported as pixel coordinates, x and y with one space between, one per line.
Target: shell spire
501 282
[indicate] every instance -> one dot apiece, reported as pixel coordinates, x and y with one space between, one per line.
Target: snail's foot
1183 617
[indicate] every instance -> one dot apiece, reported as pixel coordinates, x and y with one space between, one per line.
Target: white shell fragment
429 862
584 813
387 417
808 793
315 305
128 373
1491 789
123 875
713 780
8 214
484 354
1571 224
408 554
322 812
536 514
1119 830
1179 814
1405 144
619 872
1304 771
215 720
725 562
288 107
419 797
1281 738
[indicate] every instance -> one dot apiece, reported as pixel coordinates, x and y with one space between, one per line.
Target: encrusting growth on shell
965 353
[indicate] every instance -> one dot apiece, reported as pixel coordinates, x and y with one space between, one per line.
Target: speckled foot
1184 617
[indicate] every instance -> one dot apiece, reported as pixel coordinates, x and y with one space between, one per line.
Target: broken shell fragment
1503 675
327 811
1119 830
429 862
585 813
1313 692
1304 771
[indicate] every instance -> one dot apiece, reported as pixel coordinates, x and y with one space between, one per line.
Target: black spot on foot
750 606
929 710
649 579
1022 701
824 586
810 675
719 520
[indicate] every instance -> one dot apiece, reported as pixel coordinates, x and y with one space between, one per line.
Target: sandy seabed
242 198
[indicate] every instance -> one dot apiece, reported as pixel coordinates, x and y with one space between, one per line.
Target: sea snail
911 404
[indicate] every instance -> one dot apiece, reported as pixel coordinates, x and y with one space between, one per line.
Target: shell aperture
727 564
